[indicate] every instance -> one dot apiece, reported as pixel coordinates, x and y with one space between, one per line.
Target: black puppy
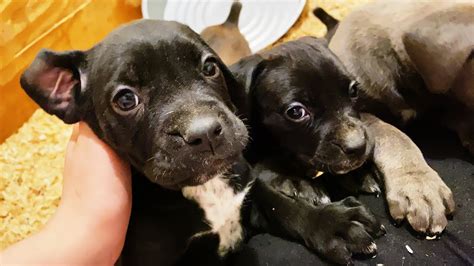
157 94
300 102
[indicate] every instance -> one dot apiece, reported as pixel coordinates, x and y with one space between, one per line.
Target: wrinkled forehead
137 55
141 61
302 73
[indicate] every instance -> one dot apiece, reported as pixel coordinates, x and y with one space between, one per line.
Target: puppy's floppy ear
439 58
54 81
247 72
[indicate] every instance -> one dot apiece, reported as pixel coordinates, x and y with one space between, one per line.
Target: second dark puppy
299 101
231 45
276 91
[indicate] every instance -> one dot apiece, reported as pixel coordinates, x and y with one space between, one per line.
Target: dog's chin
197 174
219 169
344 167
191 169
338 167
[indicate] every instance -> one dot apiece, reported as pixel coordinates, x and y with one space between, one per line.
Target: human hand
90 224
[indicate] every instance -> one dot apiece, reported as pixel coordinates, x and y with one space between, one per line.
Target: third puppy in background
411 58
226 39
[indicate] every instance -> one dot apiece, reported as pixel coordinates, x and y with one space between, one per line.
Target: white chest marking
222 210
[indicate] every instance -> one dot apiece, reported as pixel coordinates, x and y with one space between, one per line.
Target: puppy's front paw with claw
423 199
340 229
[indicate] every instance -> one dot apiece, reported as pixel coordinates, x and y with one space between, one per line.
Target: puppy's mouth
177 170
335 167
220 167
178 162
339 163
189 171
339 168
344 167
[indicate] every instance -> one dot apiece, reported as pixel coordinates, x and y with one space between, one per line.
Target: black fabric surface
455 246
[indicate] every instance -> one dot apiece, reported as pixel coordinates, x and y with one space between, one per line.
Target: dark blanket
456 245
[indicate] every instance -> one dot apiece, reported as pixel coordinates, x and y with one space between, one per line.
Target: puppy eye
210 69
296 112
126 100
354 89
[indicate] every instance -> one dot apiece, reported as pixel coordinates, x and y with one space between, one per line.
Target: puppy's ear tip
44 51
23 80
51 81
44 55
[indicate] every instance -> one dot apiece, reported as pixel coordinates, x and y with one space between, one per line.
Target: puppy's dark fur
158 95
326 133
289 153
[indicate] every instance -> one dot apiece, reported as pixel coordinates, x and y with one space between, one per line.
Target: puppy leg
413 189
335 230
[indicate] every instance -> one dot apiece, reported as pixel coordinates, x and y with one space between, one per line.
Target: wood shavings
31 164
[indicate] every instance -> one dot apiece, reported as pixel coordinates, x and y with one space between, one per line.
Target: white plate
262 22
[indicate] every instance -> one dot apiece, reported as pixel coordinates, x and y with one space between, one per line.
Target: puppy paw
341 229
423 199
303 190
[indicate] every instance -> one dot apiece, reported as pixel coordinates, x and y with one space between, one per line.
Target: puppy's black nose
353 143
203 133
354 146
